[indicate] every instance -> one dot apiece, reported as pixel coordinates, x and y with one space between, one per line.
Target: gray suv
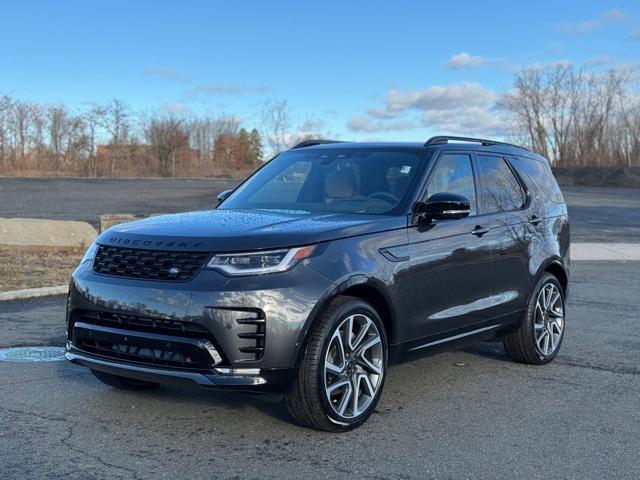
328 264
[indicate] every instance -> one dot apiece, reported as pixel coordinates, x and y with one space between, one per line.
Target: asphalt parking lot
464 414
597 214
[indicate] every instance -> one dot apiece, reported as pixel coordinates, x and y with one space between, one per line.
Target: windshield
355 180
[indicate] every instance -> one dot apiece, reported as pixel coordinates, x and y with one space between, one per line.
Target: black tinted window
358 180
501 191
541 175
454 174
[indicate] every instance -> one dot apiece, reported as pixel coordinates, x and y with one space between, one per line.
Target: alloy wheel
354 366
548 323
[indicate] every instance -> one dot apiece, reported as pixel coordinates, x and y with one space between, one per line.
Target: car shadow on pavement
183 392
493 350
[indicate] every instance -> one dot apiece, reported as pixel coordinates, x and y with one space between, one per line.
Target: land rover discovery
328 264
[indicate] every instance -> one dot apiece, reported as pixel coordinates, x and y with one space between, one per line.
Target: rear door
450 260
505 206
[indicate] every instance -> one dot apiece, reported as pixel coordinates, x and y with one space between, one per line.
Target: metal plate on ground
31 354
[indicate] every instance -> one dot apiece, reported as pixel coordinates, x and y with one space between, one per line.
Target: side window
501 191
541 175
454 174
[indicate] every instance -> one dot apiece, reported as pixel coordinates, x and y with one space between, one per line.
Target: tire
320 398
123 383
541 323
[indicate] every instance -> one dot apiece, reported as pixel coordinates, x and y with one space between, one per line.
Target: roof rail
446 138
311 143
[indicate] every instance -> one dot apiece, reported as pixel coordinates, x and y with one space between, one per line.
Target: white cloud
602 60
229 89
364 124
465 60
635 35
466 108
440 98
168 74
311 125
614 15
175 107
381 113
467 121
543 65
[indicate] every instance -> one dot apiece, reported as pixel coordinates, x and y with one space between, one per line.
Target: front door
450 260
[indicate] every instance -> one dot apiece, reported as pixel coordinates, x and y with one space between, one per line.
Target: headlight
257 263
90 253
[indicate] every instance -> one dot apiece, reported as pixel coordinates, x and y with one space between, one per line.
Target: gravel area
32 267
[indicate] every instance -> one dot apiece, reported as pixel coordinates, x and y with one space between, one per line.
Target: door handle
479 230
535 220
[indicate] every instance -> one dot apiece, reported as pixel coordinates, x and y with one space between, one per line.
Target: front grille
179 355
148 264
150 341
147 324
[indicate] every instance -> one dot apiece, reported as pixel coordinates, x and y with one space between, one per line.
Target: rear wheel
540 335
122 383
342 374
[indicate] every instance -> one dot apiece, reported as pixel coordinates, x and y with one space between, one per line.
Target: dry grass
31 267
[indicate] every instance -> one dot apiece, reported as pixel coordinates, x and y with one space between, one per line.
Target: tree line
573 116
111 140
577 116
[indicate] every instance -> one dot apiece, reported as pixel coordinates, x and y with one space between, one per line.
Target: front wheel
342 374
540 335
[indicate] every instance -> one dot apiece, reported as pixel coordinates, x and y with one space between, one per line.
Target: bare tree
94 118
275 120
22 117
165 134
576 117
6 104
115 121
201 138
57 119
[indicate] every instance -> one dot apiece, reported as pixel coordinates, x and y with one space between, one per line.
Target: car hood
227 230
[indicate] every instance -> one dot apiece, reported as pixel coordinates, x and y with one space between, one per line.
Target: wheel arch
558 270
361 287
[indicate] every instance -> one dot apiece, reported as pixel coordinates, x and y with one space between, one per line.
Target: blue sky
354 69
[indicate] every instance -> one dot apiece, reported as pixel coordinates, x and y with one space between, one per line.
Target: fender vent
256 337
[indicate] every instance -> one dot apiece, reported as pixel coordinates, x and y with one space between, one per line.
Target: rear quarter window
501 191
541 175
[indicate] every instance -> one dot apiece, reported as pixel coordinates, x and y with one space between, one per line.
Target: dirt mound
626 177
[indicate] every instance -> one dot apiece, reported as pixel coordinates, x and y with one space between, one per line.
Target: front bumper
207 330
268 381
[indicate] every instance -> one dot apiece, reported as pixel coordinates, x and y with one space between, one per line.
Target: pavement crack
41 416
66 441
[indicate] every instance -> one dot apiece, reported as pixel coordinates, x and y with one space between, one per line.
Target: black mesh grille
153 341
148 264
146 324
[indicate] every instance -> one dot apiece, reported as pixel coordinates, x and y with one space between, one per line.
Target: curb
42 232
33 293
579 252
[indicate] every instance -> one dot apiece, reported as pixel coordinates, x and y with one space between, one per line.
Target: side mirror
223 196
442 206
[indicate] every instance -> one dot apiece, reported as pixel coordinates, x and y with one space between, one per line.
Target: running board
455 337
